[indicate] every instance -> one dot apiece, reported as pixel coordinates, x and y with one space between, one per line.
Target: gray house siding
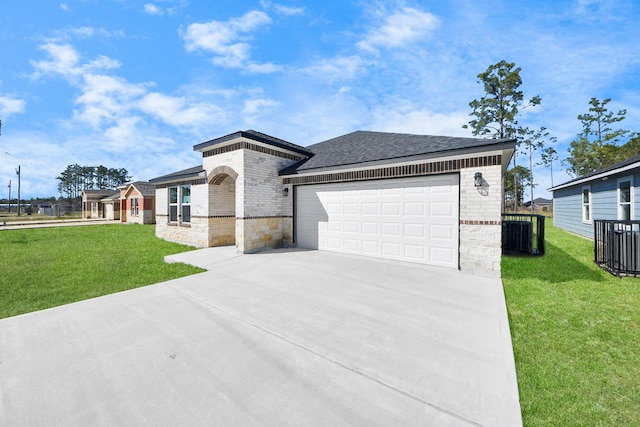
567 203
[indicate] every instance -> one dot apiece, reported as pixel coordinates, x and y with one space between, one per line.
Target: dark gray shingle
366 146
256 136
189 173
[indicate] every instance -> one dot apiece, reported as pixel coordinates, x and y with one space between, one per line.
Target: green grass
576 336
46 267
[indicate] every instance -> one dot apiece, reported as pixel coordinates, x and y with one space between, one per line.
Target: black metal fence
523 234
617 246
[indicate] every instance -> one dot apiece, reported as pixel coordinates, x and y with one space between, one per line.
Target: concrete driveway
281 338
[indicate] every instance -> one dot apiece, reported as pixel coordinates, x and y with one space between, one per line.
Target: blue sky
136 84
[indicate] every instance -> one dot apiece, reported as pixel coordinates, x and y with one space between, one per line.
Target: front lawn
576 336
46 267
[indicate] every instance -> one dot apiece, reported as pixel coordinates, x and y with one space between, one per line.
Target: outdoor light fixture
477 179
285 192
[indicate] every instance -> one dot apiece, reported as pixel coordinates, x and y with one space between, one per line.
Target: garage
408 219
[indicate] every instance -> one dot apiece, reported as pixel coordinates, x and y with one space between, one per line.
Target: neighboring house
138 203
111 207
427 199
46 209
92 206
608 193
540 204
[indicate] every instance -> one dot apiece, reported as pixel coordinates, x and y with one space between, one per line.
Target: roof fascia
178 178
505 149
255 139
595 177
412 160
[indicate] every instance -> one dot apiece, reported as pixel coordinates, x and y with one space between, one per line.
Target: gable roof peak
254 136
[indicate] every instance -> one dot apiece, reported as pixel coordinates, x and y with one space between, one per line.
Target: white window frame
619 203
180 205
587 208
185 204
134 206
173 204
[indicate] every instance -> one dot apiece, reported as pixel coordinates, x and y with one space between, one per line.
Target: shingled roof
365 146
185 174
145 188
255 136
609 169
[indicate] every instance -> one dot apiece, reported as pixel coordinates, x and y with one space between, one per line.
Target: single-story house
138 203
111 207
609 194
539 204
428 199
46 209
92 206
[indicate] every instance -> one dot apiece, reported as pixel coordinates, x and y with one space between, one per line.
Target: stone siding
261 233
480 221
222 231
194 234
255 199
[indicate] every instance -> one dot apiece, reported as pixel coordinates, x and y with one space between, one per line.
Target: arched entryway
222 206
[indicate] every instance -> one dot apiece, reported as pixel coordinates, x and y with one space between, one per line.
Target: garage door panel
370 247
369 227
392 208
414 230
441 209
414 208
351 227
351 208
411 219
414 252
391 229
369 208
351 245
391 249
438 231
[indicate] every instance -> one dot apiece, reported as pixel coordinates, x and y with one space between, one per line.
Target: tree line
497 114
75 178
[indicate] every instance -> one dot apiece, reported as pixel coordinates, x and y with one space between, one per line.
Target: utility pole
18 172
9 196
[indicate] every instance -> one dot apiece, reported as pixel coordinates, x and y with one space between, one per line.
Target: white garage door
408 219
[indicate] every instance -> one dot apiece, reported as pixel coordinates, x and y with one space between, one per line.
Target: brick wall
480 221
261 211
263 188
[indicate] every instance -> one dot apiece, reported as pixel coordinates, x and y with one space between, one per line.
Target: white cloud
106 99
282 9
339 68
266 68
64 60
152 9
227 40
181 112
258 106
402 117
402 27
85 32
64 6
10 105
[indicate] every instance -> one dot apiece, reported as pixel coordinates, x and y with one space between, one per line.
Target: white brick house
418 198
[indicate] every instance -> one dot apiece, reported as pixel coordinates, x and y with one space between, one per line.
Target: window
186 203
134 206
586 204
180 204
625 211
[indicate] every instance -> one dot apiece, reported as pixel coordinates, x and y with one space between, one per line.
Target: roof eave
243 134
506 146
579 181
177 178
